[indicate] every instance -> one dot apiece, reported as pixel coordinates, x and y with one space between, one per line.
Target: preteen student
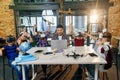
11 51
79 39
104 49
41 39
24 41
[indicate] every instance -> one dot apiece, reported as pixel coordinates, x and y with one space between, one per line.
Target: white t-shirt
60 37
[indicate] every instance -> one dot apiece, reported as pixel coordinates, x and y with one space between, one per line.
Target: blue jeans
91 69
18 70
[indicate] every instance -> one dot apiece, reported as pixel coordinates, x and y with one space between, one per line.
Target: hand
28 35
99 43
35 26
49 23
13 63
87 34
104 23
0 52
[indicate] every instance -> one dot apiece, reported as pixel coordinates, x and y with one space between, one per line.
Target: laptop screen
59 44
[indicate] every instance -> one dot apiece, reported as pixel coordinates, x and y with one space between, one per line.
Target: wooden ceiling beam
83 5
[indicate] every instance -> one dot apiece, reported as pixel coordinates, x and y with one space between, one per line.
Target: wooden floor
71 73
53 72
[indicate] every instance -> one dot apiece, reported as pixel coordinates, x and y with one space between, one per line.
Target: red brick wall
6 19
114 21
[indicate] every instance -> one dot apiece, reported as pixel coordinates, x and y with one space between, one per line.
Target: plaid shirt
41 42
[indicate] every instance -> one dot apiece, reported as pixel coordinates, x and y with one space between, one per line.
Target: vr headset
10 39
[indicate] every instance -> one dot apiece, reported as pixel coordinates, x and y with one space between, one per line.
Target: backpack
109 58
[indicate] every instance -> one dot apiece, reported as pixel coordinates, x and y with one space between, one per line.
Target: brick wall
6 19
114 21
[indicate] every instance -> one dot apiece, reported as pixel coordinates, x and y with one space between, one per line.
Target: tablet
48 53
38 51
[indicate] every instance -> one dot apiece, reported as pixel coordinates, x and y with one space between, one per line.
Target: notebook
59 44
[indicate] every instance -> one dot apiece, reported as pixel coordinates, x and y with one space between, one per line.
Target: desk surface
61 58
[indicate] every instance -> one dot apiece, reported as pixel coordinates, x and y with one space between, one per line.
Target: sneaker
89 78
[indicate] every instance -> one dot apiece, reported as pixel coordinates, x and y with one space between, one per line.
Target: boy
11 51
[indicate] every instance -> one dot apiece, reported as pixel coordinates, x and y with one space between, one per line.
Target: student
23 42
41 41
41 37
79 40
24 38
91 67
11 51
104 47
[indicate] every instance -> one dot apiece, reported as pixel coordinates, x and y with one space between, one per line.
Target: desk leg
96 72
23 72
33 72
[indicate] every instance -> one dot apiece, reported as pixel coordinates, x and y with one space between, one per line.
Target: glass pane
79 23
42 23
47 12
94 28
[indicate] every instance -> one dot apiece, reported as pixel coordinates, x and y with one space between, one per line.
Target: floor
70 72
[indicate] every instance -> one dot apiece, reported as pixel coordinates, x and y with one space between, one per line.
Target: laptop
59 44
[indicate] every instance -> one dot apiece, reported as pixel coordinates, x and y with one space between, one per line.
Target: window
79 23
40 20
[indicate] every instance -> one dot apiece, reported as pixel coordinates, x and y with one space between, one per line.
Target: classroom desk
61 58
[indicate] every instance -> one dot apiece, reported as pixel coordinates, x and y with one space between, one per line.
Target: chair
104 75
103 72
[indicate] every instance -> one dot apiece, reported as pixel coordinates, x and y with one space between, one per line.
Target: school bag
109 58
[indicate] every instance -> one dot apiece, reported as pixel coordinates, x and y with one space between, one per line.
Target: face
23 37
60 31
104 39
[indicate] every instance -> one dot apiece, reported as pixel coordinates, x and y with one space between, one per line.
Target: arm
71 31
104 24
30 38
94 38
1 51
35 30
48 27
19 41
18 49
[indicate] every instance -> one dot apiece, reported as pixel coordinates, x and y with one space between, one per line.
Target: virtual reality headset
10 39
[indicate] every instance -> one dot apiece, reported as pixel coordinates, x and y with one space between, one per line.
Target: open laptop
59 44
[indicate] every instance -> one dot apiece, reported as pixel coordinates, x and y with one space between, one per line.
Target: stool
104 75
4 64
